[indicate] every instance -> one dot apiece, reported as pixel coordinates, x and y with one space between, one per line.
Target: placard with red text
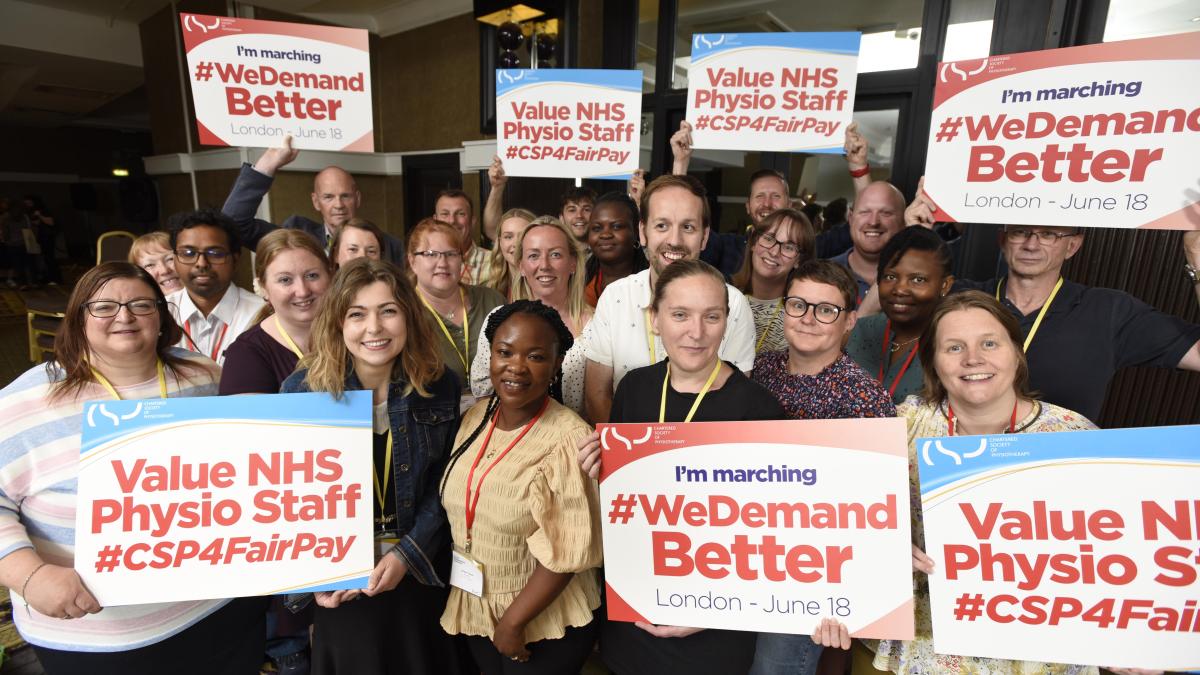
255 82
220 497
777 92
1074 547
564 123
1103 135
759 526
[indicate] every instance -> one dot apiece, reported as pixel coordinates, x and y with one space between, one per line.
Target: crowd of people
488 371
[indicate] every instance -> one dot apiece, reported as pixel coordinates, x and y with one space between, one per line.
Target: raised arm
681 149
494 208
856 158
1191 251
251 186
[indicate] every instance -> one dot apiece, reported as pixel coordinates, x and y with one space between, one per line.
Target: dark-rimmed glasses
1019 235
787 249
188 255
107 309
824 312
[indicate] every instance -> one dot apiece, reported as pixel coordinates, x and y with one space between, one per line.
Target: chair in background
114 246
45 310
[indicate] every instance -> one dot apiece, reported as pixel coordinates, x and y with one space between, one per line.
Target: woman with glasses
814 379
551 271
689 309
114 343
913 275
152 252
370 334
455 311
503 260
783 240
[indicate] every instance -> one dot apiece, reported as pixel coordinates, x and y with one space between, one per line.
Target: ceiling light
120 173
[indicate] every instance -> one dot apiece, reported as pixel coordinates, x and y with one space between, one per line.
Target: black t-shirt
256 363
625 648
1088 333
639 396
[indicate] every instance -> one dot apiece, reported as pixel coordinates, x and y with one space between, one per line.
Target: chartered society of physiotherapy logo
952 68
617 436
116 417
191 22
956 454
701 39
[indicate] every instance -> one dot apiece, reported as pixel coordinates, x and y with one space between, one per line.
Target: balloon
509 36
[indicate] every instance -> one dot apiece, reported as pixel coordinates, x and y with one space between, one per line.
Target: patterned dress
768 320
841 391
917 656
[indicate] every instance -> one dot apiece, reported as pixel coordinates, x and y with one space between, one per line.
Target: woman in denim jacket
369 335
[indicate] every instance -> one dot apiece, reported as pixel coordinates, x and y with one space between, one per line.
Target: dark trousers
564 656
48 239
230 640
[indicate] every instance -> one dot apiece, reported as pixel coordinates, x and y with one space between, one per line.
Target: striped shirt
39 454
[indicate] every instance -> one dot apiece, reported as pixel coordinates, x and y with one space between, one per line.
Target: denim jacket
423 431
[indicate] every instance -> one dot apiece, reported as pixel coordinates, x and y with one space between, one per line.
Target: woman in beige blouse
522 513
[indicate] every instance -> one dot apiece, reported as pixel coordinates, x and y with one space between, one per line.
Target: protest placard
219 497
255 82
760 526
1096 136
568 123
1073 547
778 92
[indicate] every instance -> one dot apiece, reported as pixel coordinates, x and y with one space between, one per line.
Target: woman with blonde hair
293 273
504 269
455 311
776 246
371 334
152 252
551 264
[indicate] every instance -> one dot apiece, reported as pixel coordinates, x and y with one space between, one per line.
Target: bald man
877 216
335 196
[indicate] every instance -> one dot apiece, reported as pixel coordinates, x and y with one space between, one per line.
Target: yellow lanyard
465 354
1041 313
662 406
162 381
387 472
650 339
767 328
288 339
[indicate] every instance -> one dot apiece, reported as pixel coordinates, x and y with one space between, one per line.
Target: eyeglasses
1019 235
787 249
434 255
188 255
107 309
824 312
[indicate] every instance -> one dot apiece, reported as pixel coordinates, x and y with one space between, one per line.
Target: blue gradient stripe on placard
707 44
508 79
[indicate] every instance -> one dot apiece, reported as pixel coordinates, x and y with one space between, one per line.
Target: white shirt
209 335
573 367
616 336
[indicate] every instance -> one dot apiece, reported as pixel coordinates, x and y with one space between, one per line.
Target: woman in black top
689 310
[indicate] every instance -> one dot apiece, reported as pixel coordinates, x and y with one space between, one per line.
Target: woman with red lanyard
523 516
976 382
613 239
690 311
914 273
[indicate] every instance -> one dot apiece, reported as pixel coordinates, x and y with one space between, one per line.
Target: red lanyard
472 504
1012 423
216 348
883 363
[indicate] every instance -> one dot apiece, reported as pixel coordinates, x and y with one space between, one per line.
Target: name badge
385 545
466 573
466 402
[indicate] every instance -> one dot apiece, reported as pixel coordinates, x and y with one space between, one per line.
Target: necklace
897 346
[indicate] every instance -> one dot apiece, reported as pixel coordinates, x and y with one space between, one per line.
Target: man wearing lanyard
674 226
1076 337
454 207
212 311
335 196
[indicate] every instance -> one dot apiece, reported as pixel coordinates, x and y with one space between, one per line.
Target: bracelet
26 585
859 173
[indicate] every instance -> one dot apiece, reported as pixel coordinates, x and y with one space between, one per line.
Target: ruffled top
536 506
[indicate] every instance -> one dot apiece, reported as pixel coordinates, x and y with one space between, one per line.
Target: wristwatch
1192 273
